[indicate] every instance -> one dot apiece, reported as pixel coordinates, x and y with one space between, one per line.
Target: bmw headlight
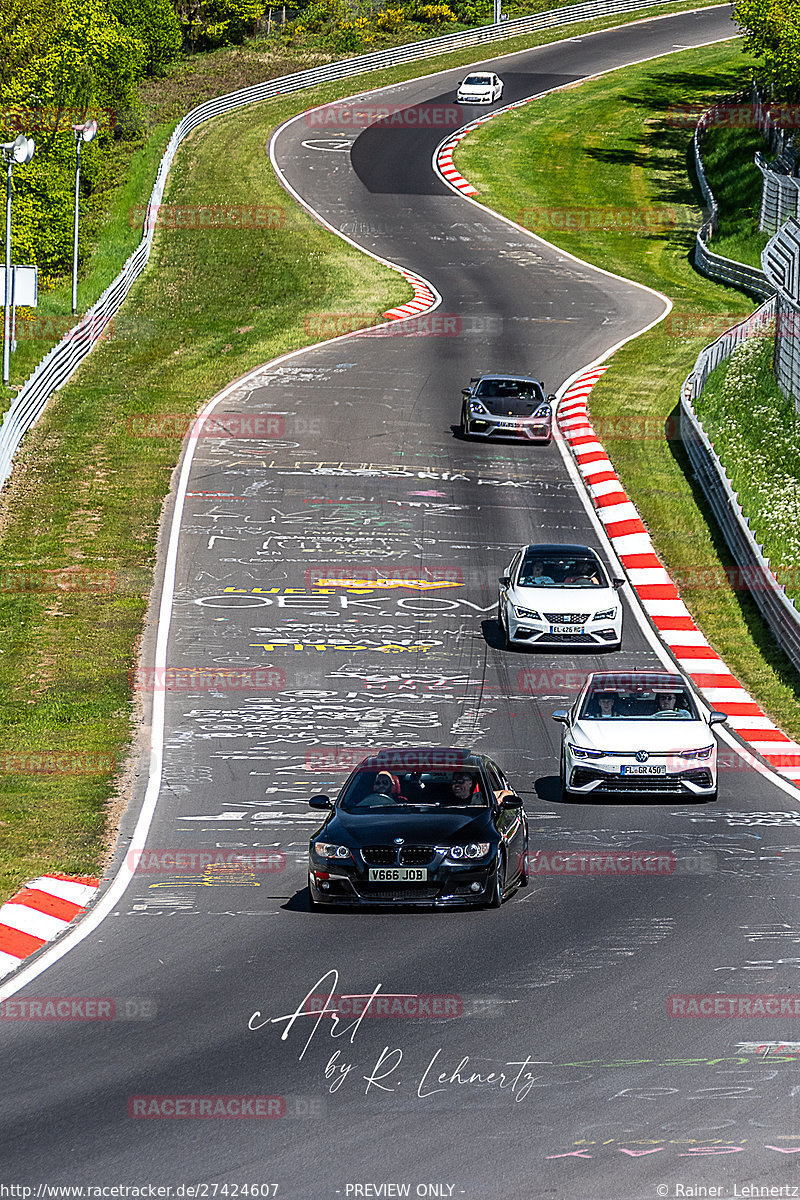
583 752
527 612
328 850
471 851
607 614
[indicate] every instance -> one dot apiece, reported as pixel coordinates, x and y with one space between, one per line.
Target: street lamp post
83 133
18 151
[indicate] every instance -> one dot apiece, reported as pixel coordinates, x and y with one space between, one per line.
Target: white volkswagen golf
637 732
559 596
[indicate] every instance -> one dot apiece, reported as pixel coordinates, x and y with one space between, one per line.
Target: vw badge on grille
642 756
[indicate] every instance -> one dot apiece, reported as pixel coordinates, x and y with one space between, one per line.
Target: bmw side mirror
617 584
716 718
561 715
320 802
511 802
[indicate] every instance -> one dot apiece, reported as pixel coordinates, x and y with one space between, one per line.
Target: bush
155 24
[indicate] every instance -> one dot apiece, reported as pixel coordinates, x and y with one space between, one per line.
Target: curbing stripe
39 912
660 597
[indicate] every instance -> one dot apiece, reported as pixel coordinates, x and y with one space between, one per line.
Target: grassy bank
754 430
616 150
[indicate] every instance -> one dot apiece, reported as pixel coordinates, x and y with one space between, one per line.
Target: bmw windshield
371 790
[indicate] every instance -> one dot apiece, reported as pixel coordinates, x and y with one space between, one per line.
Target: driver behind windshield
670 704
463 786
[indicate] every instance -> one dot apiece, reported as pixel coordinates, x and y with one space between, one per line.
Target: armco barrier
716 266
776 608
59 364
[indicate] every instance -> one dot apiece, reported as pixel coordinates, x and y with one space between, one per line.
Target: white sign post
24 291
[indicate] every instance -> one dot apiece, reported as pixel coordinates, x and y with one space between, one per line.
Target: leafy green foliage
771 31
155 23
207 24
79 62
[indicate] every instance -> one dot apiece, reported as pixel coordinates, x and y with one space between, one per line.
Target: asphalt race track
560 998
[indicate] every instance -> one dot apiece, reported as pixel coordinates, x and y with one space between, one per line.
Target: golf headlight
607 614
328 850
582 752
705 752
527 612
476 409
471 851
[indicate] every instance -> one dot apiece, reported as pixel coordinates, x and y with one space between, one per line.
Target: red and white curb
40 912
657 593
444 163
424 298
443 155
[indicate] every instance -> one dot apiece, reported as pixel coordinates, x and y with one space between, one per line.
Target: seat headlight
584 752
328 850
527 612
607 614
471 851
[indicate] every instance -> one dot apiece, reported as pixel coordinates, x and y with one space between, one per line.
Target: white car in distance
559 595
480 87
634 732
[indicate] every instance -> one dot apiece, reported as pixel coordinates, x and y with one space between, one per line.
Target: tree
771 31
79 62
154 22
207 24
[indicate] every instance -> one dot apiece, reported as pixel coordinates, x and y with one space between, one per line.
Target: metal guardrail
61 362
716 266
754 571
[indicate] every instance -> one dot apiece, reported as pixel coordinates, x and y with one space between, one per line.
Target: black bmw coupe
433 827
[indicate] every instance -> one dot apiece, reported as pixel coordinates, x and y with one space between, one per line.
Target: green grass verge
616 151
84 502
754 430
736 183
